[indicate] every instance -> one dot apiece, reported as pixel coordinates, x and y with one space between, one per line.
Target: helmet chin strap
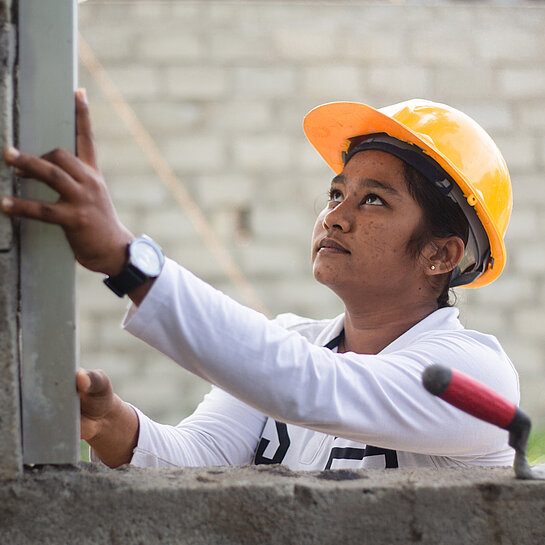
477 249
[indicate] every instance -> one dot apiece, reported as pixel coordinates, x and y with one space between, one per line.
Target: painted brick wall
222 87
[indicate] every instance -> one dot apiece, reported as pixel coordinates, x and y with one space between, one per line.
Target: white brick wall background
223 86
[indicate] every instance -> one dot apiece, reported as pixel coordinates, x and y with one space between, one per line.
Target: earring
432 267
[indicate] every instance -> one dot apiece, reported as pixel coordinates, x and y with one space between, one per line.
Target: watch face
145 257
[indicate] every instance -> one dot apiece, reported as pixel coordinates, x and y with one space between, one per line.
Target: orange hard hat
476 174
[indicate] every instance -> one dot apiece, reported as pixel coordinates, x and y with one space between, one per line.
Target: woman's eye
335 195
373 199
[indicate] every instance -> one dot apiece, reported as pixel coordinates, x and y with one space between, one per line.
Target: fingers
42 169
83 381
70 164
47 212
95 382
96 401
85 144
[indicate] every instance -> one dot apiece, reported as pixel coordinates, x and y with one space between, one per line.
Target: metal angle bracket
47 81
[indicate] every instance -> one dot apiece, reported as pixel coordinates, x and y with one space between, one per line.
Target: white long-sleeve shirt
276 378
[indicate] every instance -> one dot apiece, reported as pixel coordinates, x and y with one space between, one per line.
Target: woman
420 202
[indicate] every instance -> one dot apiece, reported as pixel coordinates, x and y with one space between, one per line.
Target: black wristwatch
145 260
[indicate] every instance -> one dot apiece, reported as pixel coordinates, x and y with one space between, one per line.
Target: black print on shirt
284 445
350 453
337 453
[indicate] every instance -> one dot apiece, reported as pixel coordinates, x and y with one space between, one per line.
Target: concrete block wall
271 505
10 426
222 87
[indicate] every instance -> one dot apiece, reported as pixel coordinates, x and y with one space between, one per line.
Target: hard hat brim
329 128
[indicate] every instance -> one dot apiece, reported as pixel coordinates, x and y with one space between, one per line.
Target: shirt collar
443 319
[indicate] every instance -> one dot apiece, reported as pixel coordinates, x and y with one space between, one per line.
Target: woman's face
360 240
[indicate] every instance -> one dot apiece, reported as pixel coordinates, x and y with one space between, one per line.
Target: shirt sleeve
222 431
373 399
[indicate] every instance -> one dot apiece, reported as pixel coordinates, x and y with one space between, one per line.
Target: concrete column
10 429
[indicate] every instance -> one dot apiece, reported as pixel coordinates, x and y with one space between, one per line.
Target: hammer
477 399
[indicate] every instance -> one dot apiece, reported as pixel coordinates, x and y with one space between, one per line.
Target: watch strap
127 280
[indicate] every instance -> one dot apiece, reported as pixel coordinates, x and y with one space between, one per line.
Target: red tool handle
469 395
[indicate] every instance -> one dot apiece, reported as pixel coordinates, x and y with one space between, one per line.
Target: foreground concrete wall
271 506
223 86
10 428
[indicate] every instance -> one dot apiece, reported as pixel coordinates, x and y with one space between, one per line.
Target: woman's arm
376 399
222 431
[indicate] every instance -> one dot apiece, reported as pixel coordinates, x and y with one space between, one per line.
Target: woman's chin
326 277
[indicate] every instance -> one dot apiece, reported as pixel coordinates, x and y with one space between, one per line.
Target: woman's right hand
108 424
84 208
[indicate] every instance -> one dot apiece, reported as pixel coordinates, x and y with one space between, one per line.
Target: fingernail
7 203
82 94
11 153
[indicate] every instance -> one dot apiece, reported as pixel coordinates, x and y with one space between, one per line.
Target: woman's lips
328 245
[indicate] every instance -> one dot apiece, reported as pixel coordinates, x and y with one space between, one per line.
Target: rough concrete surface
270 505
10 424
7 59
10 430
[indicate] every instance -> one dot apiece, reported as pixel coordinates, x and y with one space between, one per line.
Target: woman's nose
338 218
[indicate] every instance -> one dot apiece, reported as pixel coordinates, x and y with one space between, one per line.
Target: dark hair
442 218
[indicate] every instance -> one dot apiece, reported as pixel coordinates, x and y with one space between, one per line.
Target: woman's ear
442 255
